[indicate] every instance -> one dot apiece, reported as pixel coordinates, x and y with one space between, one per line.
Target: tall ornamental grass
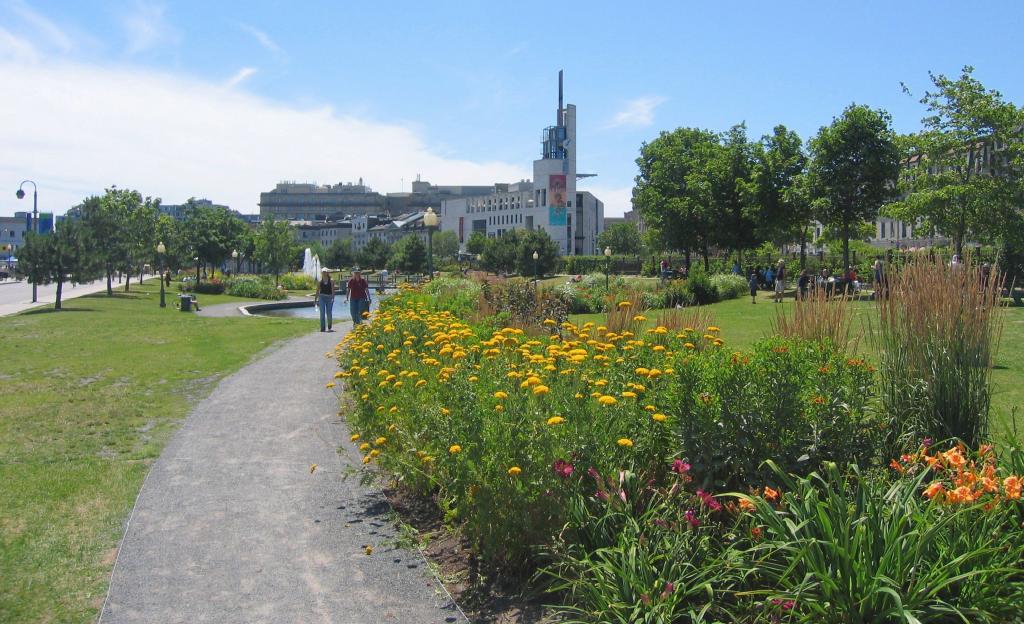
819 317
938 330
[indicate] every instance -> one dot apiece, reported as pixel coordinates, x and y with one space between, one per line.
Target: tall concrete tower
554 174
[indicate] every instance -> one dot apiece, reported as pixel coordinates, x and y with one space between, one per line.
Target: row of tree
699 189
408 254
118 233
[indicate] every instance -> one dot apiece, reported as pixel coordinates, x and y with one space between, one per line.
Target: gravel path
231 525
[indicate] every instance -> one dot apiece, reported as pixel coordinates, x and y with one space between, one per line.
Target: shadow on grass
50 310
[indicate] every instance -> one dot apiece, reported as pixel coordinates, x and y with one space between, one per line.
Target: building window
882 231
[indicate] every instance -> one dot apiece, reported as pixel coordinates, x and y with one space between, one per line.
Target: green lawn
89 396
744 323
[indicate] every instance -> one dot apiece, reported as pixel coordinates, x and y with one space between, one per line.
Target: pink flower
709 500
785 604
680 467
645 599
562 468
593 473
601 495
692 518
658 522
669 588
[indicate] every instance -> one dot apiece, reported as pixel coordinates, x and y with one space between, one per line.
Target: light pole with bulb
608 265
234 256
161 249
536 271
35 215
430 220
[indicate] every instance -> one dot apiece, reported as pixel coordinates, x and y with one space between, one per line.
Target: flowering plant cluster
501 425
961 477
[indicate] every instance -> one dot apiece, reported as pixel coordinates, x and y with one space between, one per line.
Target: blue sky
223 100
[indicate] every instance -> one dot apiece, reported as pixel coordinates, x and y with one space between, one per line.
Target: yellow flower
454 449
550 322
381 441
354 437
473 378
330 385
650 408
556 420
540 390
339 375
659 418
514 471
364 446
625 304
368 550
629 395
626 442
639 318
689 345
366 459
712 329
607 400
578 396
499 408
421 382
500 395
445 411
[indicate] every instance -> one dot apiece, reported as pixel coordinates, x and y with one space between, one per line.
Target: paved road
231 525
17 296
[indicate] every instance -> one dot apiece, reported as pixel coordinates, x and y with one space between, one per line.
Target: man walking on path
358 297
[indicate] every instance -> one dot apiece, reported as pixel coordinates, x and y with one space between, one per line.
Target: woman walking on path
358 297
780 281
325 300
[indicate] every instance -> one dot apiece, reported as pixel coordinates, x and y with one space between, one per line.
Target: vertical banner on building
556 199
462 226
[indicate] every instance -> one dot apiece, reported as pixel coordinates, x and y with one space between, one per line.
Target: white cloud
617 199
637 112
147 28
43 27
240 76
263 39
79 130
16 48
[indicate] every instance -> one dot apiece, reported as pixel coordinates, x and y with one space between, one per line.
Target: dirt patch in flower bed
497 600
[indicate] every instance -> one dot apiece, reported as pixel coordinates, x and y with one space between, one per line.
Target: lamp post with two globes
430 220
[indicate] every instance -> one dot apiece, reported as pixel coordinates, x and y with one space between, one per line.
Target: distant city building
324 232
291 201
12 234
633 216
610 221
178 211
389 230
550 201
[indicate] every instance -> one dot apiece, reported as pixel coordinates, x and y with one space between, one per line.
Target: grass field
744 323
88 397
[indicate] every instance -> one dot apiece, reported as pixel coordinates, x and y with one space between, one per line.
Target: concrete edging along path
232 525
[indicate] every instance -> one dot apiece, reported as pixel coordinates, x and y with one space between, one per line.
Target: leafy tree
374 254
274 241
140 223
672 190
213 232
60 256
477 243
854 163
169 232
964 169
339 254
729 172
548 253
623 238
446 244
779 186
500 253
409 254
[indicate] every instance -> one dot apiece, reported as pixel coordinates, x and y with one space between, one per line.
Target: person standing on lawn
325 300
752 283
358 297
780 280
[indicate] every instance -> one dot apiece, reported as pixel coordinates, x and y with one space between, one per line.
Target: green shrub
254 287
297 281
455 294
729 286
212 286
702 291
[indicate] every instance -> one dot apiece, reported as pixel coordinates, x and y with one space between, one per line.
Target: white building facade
550 201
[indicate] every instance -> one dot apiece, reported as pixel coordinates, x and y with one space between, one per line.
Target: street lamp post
430 220
35 216
161 250
197 268
238 263
608 265
536 271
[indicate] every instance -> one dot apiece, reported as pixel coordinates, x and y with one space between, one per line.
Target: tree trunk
707 261
60 290
197 271
686 256
110 283
803 248
127 280
846 245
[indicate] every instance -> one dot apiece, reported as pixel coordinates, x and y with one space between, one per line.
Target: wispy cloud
237 143
263 39
637 112
240 76
43 27
146 27
16 48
